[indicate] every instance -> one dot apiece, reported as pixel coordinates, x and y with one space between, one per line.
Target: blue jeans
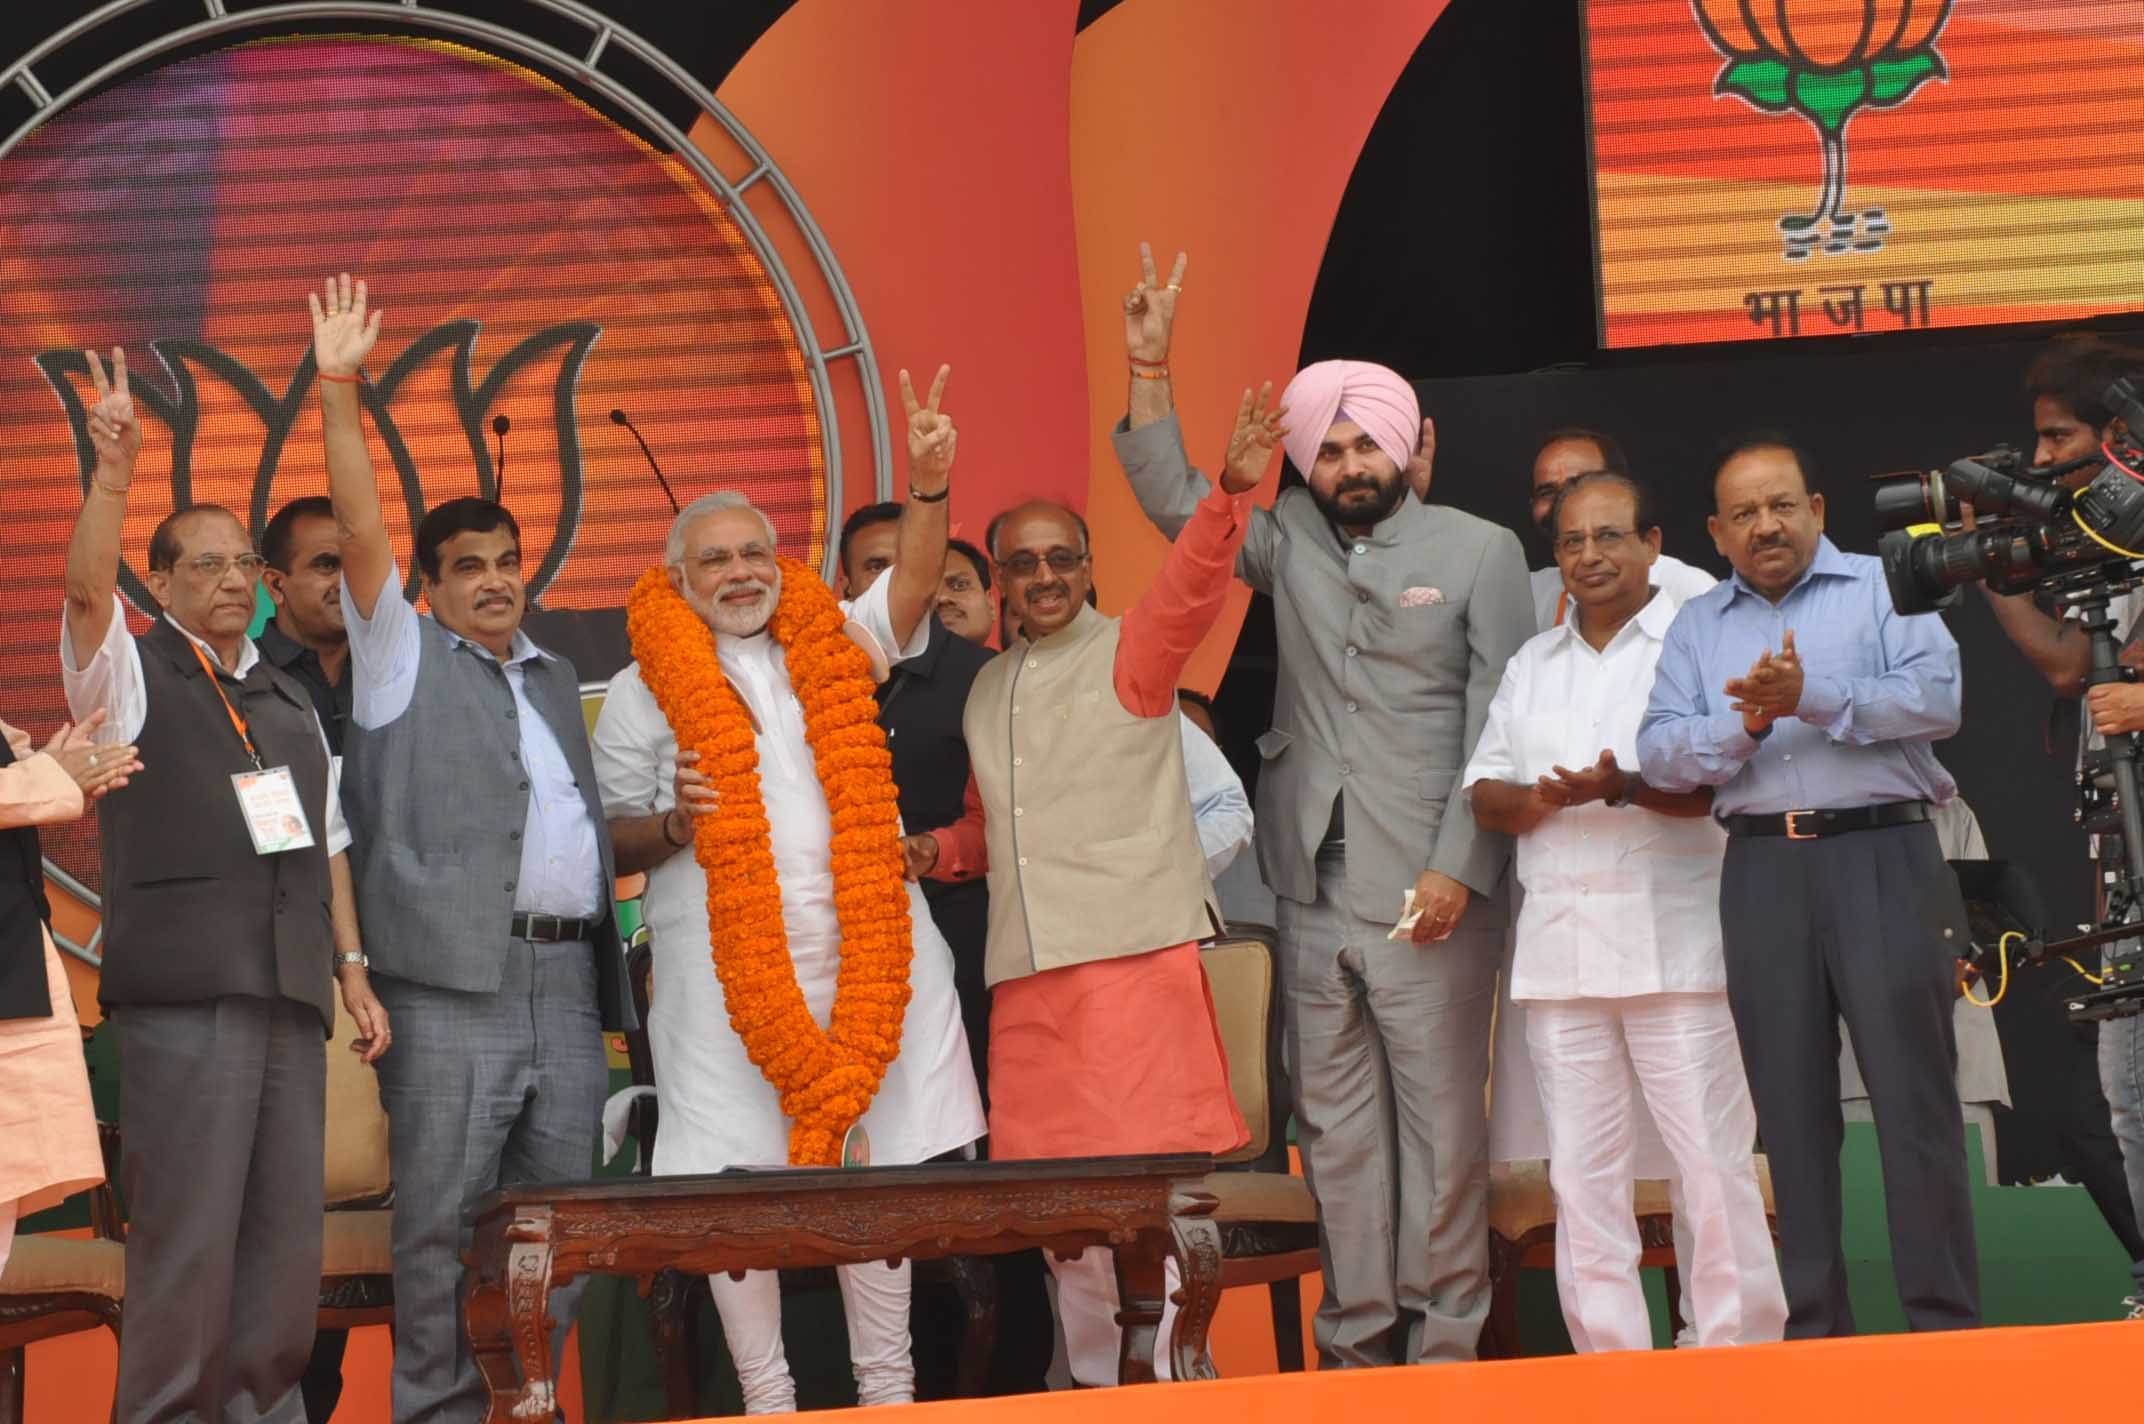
2121 1076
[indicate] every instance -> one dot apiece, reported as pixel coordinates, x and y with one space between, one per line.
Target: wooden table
530 1240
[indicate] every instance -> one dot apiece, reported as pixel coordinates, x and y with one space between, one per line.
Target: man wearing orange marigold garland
1102 1032
745 735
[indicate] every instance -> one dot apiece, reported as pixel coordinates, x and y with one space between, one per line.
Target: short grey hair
706 504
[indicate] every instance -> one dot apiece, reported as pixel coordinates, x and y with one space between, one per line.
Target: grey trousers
1853 927
221 1105
1388 1052
482 1091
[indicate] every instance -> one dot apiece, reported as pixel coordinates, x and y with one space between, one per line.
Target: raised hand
114 427
932 440
1250 446
1150 308
1419 467
343 332
95 769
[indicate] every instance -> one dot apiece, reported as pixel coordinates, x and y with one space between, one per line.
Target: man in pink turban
1394 619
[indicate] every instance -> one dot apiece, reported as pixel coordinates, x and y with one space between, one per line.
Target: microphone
617 417
499 426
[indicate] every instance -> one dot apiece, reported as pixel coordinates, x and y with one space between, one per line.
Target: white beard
737 620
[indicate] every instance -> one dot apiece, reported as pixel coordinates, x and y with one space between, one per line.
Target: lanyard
238 723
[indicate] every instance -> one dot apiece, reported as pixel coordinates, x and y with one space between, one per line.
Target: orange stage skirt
1113 1058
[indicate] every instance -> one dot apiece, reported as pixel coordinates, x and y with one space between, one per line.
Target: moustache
1357 482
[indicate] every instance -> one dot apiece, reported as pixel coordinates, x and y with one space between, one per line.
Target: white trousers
875 1300
1087 1310
1688 1063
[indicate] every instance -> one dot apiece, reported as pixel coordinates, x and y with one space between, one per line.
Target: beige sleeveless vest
1093 852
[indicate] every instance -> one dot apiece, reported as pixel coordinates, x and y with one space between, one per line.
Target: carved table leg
976 1279
509 1321
1198 1258
1141 1279
669 1301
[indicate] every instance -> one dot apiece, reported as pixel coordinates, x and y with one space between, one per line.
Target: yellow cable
2002 984
2083 973
2093 535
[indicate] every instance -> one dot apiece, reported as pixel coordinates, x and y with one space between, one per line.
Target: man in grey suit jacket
484 869
1395 619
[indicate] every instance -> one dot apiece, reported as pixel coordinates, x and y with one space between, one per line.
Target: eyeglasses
714 561
1608 541
214 566
1024 564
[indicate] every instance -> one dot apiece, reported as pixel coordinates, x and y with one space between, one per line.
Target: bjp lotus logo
1826 60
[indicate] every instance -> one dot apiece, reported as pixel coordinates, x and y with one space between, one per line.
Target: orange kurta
48 1130
1122 1056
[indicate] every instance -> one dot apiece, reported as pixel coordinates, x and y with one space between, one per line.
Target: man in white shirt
1618 958
718 1109
1563 455
228 916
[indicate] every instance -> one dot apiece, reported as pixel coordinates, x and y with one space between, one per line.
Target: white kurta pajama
717 1110
1618 964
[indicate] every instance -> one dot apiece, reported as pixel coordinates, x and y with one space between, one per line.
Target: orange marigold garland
826 1078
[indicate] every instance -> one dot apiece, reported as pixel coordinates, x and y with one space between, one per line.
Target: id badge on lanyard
267 795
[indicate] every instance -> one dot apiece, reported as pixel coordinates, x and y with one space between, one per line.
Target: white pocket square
1420 597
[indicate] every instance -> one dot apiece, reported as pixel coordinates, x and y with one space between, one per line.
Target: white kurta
717 1109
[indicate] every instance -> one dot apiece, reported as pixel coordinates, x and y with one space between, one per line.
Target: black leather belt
550 929
1813 825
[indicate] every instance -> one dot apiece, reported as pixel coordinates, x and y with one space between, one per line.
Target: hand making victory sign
1150 308
114 427
1250 445
932 440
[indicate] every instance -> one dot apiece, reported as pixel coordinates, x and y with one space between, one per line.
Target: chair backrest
1239 971
356 1165
639 1056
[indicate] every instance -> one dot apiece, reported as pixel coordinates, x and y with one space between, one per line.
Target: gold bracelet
1157 373
120 490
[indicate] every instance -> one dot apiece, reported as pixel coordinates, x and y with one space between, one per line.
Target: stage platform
2024 1372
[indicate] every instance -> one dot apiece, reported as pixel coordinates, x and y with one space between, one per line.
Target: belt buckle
1794 830
539 923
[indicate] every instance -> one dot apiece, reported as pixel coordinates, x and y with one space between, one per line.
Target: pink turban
1374 397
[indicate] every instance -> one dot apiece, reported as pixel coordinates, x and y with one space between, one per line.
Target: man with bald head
1395 619
1103 1040
223 937
718 1110
1809 704
1564 454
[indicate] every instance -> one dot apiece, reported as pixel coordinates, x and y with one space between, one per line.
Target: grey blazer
1391 647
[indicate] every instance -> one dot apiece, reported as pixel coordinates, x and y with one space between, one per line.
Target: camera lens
1908 500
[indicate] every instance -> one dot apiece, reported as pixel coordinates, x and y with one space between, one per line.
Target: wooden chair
1268 1220
673 1297
1522 1236
356 1240
59 1285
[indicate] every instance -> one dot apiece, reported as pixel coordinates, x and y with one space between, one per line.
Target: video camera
2030 528
2080 547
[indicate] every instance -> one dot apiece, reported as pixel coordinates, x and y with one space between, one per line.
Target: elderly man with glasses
223 938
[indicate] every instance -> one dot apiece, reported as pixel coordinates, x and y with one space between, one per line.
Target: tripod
2122 993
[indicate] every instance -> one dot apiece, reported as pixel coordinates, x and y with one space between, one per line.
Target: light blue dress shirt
1878 688
561 861
1218 806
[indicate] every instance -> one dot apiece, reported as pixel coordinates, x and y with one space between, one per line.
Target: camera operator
2070 419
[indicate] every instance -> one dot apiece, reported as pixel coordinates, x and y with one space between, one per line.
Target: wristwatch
1628 790
352 956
